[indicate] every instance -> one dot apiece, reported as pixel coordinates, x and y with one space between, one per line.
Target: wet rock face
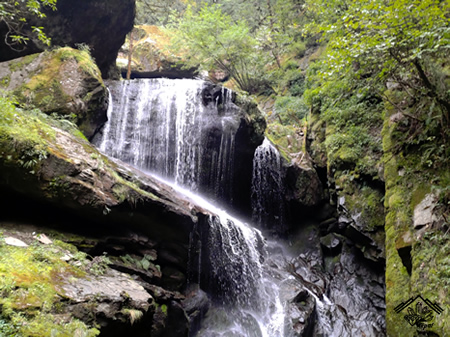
100 24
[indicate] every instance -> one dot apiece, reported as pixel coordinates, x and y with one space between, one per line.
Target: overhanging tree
400 45
396 41
14 14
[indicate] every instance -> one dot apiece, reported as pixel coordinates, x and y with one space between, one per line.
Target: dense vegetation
371 52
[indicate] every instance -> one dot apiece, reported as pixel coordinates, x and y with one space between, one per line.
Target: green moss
29 283
4 81
419 193
431 276
83 58
408 181
164 309
26 60
23 136
367 202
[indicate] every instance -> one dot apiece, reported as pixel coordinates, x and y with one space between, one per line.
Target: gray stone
111 287
423 212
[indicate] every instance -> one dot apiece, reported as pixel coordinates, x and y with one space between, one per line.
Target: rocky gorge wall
391 205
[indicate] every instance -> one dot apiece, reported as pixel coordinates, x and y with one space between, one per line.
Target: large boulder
64 81
149 55
100 24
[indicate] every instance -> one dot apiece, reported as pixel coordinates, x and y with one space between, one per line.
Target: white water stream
251 295
159 126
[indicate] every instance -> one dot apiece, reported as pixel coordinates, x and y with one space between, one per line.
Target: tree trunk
130 55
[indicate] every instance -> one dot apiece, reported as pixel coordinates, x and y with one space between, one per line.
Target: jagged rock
111 287
357 291
196 306
303 184
423 212
64 81
300 309
100 24
331 244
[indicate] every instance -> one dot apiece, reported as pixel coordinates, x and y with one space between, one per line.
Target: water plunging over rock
268 205
187 131
238 284
228 261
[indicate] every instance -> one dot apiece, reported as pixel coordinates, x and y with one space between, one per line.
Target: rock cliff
64 182
100 24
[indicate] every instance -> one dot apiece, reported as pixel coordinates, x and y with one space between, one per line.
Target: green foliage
13 14
215 41
154 12
245 39
290 109
144 263
402 44
133 314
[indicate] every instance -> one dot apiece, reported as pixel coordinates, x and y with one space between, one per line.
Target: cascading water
165 127
246 295
186 132
268 208
174 128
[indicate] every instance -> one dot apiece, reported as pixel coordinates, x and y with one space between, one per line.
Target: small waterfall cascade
245 293
176 128
268 207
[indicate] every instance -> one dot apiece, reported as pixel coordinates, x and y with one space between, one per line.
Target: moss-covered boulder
65 82
149 55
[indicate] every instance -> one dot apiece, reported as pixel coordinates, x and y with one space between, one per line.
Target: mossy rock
427 268
150 56
65 82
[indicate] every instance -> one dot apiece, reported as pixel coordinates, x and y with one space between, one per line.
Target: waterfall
246 293
184 134
268 208
178 129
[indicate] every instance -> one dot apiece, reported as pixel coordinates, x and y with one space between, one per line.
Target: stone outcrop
65 82
61 178
149 58
100 24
